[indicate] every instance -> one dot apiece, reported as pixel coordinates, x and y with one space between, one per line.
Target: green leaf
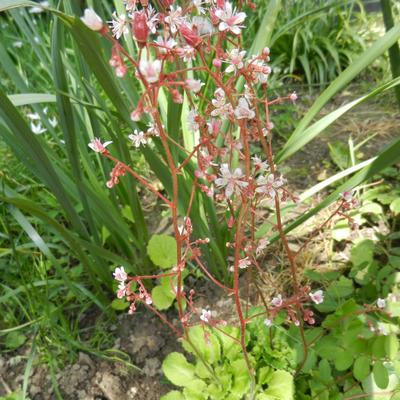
301 136
343 360
280 386
391 346
379 347
24 99
195 390
390 155
178 370
395 206
210 349
162 297
119 304
173 395
361 368
241 378
362 252
325 372
162 251
14 340
381 375
9 4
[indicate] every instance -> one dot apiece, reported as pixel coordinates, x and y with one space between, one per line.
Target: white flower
242 111
199 6
262 244
138 138
348 195
194 84
205 315
120 274
130 5
244 263
97 146
260 70
317 297
230 181
37 129
53 122
33 116
39 9
119 25
150 70
293 97
174 19
268 322
188 53
222 109
381 303
191 121
202 25
230 21
152 19
18 44
269 185
259 164
235 60
277 301
92 20
165 44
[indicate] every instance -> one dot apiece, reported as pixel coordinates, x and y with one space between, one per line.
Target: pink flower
317 297
277 301
192 122
293 97
235 60
268 322
188 53
205 315
150 70
165 45
229 180
97 146
269 185
92 20
121 292
244 263
230 20
242 111
194 84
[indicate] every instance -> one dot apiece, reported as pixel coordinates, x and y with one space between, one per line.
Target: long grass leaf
299 141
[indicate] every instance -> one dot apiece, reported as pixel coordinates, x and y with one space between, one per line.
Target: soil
141 336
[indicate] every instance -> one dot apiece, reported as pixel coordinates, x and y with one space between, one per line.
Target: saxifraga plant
189 48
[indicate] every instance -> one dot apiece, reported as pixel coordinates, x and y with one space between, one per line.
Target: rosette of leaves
218 370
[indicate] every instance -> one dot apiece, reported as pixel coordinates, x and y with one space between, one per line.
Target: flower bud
166 3
140 28
92 20
191 38
217 63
